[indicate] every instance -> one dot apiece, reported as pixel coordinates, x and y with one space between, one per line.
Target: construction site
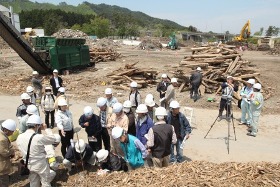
92 65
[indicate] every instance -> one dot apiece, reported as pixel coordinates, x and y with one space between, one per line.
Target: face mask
160 117
30 93
48 93
126 110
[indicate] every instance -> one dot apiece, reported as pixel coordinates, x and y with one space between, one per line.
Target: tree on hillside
192 28
101 27
272 31
260 32
53 24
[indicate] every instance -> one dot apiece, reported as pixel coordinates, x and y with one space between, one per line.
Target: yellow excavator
244 33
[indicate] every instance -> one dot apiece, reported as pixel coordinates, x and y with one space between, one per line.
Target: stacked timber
218 63
122 77
103 54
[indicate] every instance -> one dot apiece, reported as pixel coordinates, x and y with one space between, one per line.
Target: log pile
103 54
218 63
122 77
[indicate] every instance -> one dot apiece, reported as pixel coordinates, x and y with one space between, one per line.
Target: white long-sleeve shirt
64 120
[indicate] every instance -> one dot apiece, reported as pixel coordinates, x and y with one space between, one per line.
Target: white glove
162 99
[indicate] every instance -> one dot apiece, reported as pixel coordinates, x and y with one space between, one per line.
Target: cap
55 71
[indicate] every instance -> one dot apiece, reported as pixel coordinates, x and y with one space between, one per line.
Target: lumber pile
122 77
218 63
103 54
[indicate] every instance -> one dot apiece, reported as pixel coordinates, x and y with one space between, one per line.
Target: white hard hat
34 120
160 111
229 77
62 102
29 89
32 109
101 101
24 96
198 68
164 76
80 146
117 107
9 124
55 71
127 104
88 111
35 73
174 104
251 81
133 84
117 132
108 91
57 138
142 108
102 154
173 80
150 102
48 88
257 86
61 89
150 96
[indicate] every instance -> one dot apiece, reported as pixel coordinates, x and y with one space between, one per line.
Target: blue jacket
132 154
185 127
143 129
94 128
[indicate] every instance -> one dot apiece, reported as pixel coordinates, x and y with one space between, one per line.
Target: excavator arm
245 32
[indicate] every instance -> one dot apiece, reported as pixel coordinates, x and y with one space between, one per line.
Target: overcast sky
206 15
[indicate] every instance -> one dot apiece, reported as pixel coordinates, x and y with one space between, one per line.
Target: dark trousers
225 105
194 90
47 117
106 138
55 90
96 146
65 141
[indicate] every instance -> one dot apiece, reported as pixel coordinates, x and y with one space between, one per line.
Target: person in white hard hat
92 125
40 172
37 83
117 119
150 103
182 130
256 105
61 95
7 152
160 138
134 96
111 100
170 93
108 161
162 86
33 96
64 122
134 151
78 153
31 110
21 110
246 93
195 81
131 117
105 114
47 104
56 82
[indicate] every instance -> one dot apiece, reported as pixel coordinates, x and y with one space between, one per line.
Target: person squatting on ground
182 130
7 152
91 123
31 109
40 172
77 153
226 98
21 109
64 122
134 96
246 93
195 80
47 104
105 114
111 100
131 118
256 104
134 150
117 119
160 138
56 82
170 94
162 86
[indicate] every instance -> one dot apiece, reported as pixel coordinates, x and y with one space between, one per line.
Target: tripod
229 118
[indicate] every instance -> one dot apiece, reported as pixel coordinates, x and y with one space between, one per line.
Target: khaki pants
161 162
4 180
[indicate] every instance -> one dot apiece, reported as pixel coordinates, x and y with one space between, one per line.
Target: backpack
51 96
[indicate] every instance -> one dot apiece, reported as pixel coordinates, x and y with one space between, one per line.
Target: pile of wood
218 63
103 54
122 77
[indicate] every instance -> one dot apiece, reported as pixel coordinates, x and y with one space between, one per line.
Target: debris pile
122 77
69 33
103 54
264 47
150 44
218 63
106 43
4 64
275 50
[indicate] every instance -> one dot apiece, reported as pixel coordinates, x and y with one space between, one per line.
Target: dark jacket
52 82
143 129
185 127
72 154
162 88
94 128
196 78
131 124
115 163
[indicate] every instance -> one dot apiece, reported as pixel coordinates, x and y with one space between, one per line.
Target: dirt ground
264 147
